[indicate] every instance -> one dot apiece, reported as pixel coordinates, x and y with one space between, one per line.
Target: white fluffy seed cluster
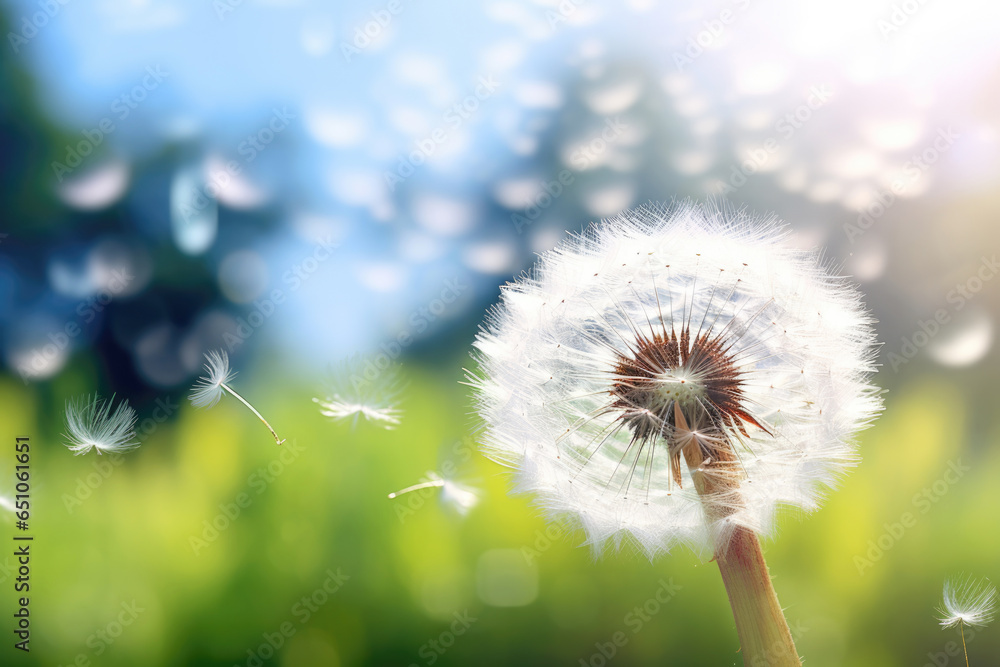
968 601
208 389
800 337
358 388
95 423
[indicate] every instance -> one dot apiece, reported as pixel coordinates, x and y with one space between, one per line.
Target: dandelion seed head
669 338
360 389
208 389
968 601
93 423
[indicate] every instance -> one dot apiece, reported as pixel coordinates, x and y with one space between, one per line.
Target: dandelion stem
961 628
254 410
417 487
760 623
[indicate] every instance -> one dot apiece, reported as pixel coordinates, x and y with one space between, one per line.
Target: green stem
961 628
254 410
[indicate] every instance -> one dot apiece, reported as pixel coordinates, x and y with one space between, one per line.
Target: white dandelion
458 496
674 376
968 602
207 391
358 388
93 424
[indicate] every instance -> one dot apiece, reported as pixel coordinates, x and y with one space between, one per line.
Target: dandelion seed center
679 385
700 376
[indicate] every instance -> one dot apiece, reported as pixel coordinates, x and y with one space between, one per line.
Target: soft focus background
298 182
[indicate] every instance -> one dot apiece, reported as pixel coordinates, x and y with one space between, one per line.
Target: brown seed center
671 372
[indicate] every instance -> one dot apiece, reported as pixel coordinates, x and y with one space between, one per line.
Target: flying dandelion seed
209 390
459 497
93 424
968 602
673 376
359 389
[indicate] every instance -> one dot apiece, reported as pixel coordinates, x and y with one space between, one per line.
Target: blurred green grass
409 572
